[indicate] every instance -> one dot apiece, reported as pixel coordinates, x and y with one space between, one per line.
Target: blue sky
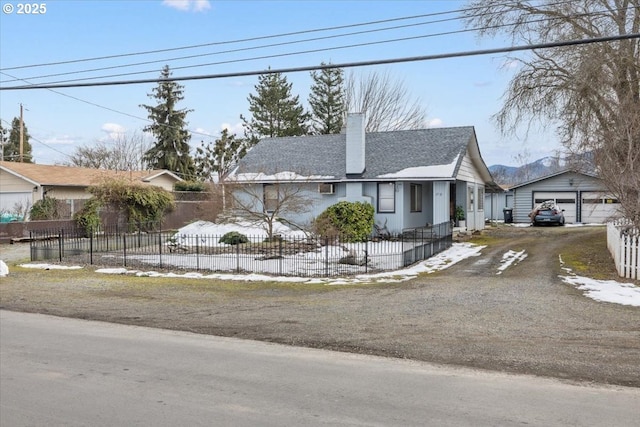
455 92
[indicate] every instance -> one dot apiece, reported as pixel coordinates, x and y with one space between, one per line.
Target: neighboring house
583 197
412 178
23 184
495 203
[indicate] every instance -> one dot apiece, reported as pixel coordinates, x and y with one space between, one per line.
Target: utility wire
107 108
262 37
281 54
332 66
280 44
339 27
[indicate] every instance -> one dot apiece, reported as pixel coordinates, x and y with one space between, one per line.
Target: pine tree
327 100
275 112
11 144
171 148
220 157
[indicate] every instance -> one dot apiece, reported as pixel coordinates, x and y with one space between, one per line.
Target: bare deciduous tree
125 152
591 93
269 203
386 102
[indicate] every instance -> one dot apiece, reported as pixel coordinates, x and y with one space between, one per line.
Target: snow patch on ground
603 290
606 290
441 261
511 258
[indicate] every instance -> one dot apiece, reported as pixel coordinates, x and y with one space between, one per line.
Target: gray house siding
358 163
571 184
494 204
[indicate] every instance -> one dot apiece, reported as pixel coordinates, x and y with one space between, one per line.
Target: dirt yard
524 320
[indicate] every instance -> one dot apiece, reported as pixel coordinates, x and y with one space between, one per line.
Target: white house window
270 197
471 200
386 197
416 198
480 199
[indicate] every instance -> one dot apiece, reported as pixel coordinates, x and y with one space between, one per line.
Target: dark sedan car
547 213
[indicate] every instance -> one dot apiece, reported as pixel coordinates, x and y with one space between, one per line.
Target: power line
286 43
244 49
107 108
232 41
342 65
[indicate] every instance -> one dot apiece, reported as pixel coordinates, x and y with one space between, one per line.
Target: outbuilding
583 197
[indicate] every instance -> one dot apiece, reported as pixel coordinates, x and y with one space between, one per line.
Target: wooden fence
623 241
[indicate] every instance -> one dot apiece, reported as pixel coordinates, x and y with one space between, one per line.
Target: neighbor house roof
76 176
426 154
551 175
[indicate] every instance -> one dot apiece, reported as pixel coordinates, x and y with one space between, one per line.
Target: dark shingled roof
385 152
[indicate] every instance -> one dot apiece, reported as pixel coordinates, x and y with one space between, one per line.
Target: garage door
564 200
598 209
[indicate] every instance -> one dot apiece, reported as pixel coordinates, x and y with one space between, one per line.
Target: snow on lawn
197 231
441 261
603 290
511 258
606 290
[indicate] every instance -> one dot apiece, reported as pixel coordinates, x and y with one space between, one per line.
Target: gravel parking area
523 320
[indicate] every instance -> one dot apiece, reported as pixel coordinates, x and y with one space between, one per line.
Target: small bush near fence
305 256
623 241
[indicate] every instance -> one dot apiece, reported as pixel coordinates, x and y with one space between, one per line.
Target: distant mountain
513 175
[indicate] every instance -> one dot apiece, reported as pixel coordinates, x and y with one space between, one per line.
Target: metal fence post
197 253
91 248
160 247
326 257
280 256
124 249
60 244
237 257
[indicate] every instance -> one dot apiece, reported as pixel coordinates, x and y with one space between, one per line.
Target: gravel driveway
523 320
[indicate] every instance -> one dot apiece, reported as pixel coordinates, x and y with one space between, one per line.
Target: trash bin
508 215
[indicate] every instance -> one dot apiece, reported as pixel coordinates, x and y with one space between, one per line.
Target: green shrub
189 186
353 221
88 218
234 238
44 209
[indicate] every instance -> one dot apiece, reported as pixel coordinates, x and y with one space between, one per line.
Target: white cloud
435 123
236 129
113 131
188 5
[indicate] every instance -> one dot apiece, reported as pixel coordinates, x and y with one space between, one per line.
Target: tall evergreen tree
327 100
219 158
11 144
275 112
171 148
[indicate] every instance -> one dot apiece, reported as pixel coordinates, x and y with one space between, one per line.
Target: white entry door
564 200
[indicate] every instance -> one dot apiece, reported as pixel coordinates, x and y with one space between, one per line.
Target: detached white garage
582 196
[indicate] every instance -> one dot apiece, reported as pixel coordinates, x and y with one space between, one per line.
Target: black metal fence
298 255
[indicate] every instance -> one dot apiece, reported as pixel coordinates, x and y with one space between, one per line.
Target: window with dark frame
416 197
270 197
387 197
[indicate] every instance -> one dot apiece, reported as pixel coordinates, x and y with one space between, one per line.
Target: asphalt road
57 371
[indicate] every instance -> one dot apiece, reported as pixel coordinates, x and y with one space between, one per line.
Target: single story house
23 184
411 177
583 196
